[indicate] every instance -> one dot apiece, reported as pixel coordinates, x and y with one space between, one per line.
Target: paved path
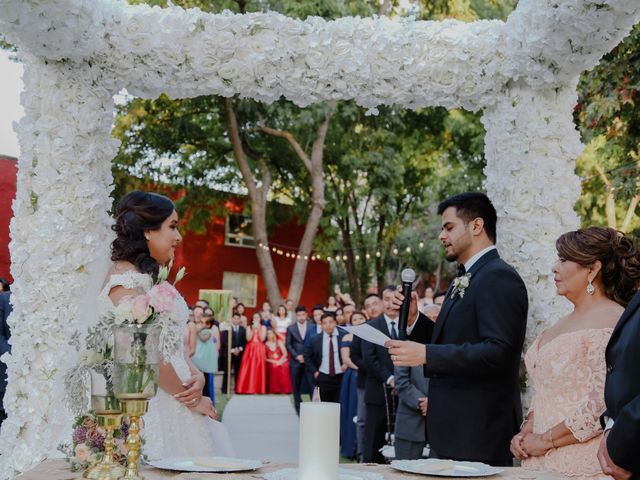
264 427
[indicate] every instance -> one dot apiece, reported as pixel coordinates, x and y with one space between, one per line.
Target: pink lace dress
568 376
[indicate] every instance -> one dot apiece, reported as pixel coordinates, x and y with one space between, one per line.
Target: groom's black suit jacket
622 389
473 360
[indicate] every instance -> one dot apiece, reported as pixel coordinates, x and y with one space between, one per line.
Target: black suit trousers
298 372
329 387
375 429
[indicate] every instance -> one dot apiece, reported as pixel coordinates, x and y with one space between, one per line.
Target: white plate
206 464
445 468
343 474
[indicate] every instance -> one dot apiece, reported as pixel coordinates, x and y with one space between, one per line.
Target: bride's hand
193 393
205 407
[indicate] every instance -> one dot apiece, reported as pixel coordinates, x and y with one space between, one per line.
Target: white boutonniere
460 284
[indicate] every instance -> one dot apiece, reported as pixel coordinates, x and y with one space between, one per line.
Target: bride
180 422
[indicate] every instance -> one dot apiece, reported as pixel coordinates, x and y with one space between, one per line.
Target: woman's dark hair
620 273
5 286
137 212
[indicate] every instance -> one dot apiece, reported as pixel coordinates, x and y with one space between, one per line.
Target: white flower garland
78 53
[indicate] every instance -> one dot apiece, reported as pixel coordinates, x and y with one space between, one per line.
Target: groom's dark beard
452 258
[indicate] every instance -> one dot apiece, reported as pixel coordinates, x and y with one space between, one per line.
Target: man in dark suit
323 359
295 341
380 380
619 452
5 335
473 351
238 344
410 432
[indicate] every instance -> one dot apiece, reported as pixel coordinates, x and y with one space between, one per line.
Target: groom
472 352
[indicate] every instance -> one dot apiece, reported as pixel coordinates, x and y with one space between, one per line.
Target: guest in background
291 311
238 344
207 315
598 271
340 320
356 358
427 299
380 379
323 359
316 317
5 335
347 311
331 305
202 303
281 322
266 313
253 369
191 317
349 394
278 379
431 311
5 286
410 429
240 308
295 341
438 298
373 306
204 353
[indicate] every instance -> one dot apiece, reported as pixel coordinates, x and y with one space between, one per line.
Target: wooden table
59 469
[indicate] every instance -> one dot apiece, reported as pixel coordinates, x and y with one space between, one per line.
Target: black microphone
408 276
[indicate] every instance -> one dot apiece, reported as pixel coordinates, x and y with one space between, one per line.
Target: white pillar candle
319 441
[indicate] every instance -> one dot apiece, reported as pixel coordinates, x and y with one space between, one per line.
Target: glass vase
136 361
103 398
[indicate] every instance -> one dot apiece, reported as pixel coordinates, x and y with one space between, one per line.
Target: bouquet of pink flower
146 306
87 443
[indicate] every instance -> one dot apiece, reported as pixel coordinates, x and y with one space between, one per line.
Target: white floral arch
78 53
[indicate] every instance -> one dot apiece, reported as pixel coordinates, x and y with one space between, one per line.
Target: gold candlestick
107 468
134 408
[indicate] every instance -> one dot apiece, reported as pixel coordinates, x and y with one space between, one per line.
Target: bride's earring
147 237
590 288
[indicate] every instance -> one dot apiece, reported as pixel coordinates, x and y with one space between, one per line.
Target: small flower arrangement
145 307
460 284
87 443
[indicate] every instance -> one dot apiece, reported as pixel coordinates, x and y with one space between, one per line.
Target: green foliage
608 115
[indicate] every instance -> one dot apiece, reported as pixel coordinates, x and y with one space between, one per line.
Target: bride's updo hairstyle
620 273
138 211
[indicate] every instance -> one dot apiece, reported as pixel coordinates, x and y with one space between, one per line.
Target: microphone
408 276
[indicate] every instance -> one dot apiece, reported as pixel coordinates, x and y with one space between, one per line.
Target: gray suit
410 435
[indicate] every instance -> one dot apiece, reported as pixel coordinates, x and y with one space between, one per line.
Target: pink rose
140 308
163 297
82 453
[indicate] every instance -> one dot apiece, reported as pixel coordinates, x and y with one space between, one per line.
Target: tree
608 115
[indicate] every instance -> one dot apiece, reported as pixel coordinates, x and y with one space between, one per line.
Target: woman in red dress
278 378
253 375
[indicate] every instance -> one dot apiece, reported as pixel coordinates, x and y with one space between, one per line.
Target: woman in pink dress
598 270
253 371
278 377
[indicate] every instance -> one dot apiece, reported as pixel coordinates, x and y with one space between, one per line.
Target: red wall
8 172
206 257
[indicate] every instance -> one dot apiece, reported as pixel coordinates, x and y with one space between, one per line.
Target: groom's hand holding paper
406 353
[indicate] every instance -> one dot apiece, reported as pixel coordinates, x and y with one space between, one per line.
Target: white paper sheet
368 333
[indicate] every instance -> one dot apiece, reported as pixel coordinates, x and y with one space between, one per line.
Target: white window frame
228 234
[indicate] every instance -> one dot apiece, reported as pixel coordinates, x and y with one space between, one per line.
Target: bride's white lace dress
170 428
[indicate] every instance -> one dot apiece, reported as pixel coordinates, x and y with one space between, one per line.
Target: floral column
531 148
59 237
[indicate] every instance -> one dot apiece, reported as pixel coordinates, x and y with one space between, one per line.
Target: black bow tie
461 270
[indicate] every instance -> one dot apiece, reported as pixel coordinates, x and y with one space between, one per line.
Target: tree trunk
258 198
610 201
350 264
314 166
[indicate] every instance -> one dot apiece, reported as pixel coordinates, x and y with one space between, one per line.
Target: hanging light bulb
378 254
367 256
344 257
395 251
421 244
408 249
328 259
306 257
357 257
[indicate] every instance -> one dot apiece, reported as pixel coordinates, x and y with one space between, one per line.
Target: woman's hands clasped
192 394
